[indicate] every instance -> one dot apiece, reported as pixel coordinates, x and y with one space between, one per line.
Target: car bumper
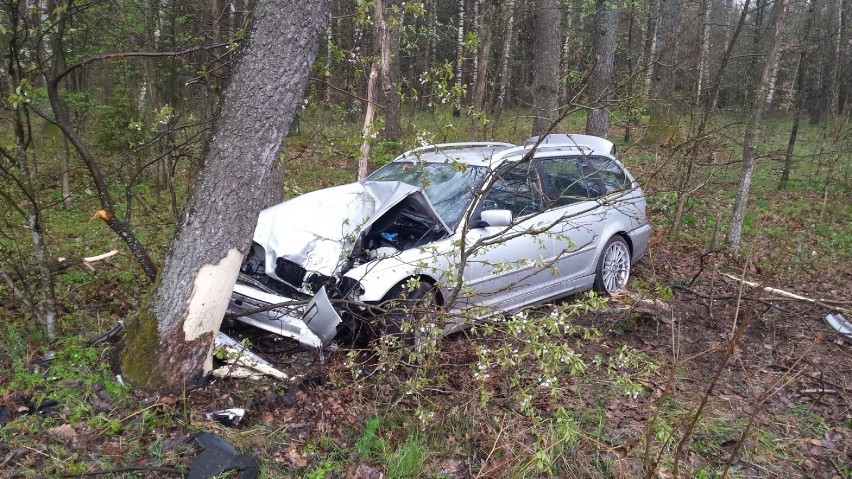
313 324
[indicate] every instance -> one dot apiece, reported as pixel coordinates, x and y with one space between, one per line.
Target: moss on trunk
139 350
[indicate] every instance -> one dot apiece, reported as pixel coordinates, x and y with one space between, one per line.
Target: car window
564 181
609 173
449 187
516 189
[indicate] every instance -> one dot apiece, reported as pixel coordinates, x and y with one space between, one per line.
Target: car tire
409 306
613 268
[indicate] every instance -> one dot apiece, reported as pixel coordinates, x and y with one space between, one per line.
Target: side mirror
499 218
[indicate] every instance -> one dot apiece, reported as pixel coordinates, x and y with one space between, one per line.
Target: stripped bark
169 344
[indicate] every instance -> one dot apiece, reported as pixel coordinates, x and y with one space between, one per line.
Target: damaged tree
169 344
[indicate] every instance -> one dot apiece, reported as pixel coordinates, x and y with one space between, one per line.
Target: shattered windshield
450 187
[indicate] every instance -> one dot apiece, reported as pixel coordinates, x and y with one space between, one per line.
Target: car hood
318 230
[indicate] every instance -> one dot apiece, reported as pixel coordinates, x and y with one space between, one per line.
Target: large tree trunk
597 123
169 343
545 93
735 228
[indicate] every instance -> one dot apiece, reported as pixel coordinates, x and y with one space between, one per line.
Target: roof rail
580 141
447 146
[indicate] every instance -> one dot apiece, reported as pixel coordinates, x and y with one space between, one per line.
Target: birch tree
735 228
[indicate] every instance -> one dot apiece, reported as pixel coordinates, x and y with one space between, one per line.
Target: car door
579 220
505 265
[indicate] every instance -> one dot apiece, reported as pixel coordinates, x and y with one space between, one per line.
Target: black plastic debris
227 417
4 415
219 456
108 336
28 407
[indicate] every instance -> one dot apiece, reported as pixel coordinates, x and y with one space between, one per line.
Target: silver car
491 227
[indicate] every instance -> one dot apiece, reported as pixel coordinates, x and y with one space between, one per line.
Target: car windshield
449 186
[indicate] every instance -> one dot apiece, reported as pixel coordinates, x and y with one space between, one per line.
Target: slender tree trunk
663 110
388 33
487 35
329 44
367 131
600 86
545 94
688 164
66 173
649 48
506 56
169 343
565 53
799 100
750 139
702 69
459 60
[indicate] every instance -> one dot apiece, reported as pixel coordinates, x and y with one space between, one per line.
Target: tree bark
459 61
545 92
367 130
735 228
798 100
507 53
388 33
169 343
662 125
600 86
486 33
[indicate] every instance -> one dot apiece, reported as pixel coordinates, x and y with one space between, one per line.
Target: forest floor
639 368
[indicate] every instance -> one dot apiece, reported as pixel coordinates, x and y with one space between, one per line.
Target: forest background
734 116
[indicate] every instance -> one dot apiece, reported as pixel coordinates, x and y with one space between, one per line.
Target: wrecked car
488 225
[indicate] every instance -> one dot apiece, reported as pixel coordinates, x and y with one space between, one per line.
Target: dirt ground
789 376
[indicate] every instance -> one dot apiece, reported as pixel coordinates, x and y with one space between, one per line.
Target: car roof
493 154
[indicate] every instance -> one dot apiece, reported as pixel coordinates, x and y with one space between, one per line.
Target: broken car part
219 456
838 323
227 417
242 363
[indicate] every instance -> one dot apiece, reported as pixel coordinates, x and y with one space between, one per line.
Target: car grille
289 272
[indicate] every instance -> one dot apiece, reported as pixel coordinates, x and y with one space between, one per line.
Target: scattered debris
227 417
786 294
219 456
4 415
839 324
242 363
108 336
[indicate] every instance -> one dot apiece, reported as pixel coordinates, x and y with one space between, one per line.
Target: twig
818 302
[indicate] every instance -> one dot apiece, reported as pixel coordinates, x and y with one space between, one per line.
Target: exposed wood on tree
170 342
